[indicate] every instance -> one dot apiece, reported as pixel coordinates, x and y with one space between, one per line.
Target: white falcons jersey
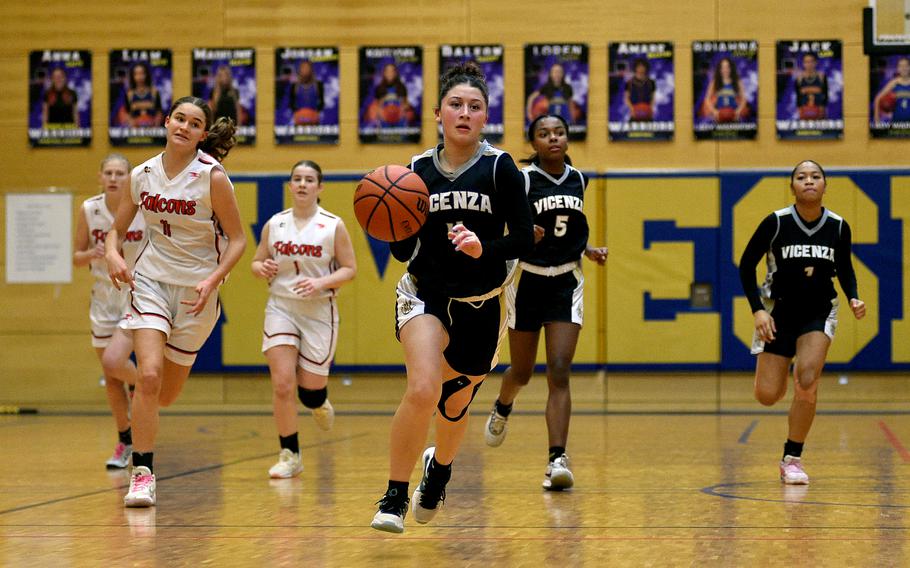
100 221
185 240
308 252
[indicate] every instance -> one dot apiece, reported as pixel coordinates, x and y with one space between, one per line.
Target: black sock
397 489
440 473
290 443
126 437
792 448
502 409
312 398
144 459
556 451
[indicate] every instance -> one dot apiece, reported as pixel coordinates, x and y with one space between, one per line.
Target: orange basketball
642 111
541 105
391 113
888 102
306 116
391 203
726 114
810 112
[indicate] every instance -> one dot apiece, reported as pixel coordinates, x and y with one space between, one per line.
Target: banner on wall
810 88
391 94
141 89
556 82
226 78
889 96
60 98
642 88
489 59
725 89
307 90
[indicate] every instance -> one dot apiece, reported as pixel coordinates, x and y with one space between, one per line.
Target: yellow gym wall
44 340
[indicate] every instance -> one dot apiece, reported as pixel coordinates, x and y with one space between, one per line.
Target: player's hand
466 241
118 271
98 251
597 254
858 307
764 325
203 290
539 233
307 287
268 269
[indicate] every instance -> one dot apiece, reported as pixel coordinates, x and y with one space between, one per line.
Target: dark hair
148 74
810 54
461 73
816 164
308 164
734 75
220 137
643 62
115 157
532 129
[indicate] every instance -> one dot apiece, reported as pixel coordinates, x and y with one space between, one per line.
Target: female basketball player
550 291
390 106
448 309
639 92
899 89
225 100
143 101
194 239
811 90
806 245
558 93
306 255
60 106
108 307
724 99
307 95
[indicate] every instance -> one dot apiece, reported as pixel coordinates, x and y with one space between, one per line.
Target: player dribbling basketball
306 254
449 317
795 312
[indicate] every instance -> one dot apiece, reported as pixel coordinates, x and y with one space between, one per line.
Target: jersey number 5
561 225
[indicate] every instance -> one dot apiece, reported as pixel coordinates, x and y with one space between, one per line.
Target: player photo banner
307 90
810 89
60 98
141 90
226 79
642 88
889 96
489 59
556 82
725 83
391 94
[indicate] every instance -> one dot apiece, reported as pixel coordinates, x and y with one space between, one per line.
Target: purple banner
889 96
307 89
642 89
489 59
725 95
226 78
141 90
60 98
810 89
556 82
391 94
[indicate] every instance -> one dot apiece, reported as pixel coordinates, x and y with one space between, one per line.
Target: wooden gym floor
662 479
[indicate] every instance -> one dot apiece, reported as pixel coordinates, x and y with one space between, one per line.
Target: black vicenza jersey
557 205
486 195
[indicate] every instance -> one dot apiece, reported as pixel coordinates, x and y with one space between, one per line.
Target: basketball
726 114
641 111
391 203
541 105
888 102
306 116
391 113
810 112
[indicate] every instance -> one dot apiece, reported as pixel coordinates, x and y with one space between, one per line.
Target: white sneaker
121 456
495 431
324 415
392 510
791 471
288 465
430 496
142 488
558 476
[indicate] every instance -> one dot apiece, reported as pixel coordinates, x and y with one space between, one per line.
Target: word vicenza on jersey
558 202
469 200
807 251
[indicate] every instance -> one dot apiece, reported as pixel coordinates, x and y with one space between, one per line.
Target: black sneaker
391 513
430 495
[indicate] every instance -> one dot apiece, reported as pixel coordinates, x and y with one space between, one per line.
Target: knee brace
312 398
449 388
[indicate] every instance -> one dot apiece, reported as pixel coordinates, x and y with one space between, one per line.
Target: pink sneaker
791 471
142 488
120 459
